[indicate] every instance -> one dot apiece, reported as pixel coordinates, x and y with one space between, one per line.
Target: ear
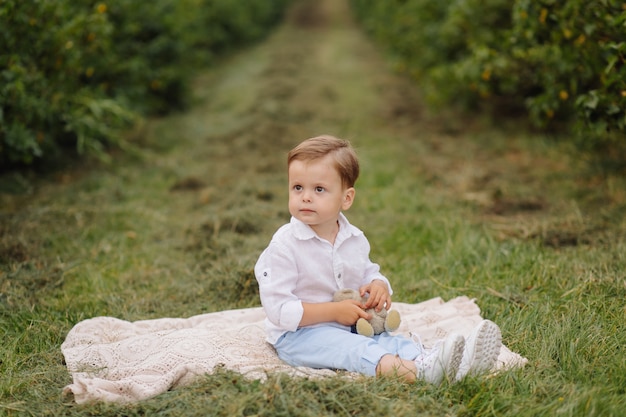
348 198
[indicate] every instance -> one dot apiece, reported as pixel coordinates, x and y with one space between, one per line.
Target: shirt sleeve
373 274
372 269
277 275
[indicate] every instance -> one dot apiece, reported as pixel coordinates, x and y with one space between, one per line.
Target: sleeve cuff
291 315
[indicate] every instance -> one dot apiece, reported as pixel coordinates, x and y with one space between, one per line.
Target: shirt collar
303 231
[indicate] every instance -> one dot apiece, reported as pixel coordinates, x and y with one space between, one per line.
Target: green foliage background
556 60
75 72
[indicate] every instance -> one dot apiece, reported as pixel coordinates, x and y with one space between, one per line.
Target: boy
319 252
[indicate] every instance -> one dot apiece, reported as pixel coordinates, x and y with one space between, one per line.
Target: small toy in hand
381 321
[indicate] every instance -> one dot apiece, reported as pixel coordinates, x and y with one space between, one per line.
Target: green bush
46 48
559 60
74 73
573 52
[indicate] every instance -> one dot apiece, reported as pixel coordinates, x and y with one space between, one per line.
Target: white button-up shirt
298 266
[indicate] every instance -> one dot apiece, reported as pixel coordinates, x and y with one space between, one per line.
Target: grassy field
452 205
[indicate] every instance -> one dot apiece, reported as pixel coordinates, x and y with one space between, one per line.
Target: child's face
316 193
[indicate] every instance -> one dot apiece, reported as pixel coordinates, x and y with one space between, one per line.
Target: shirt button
339 276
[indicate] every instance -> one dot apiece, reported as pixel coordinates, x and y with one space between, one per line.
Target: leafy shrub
75 72
44 58
559 60
576 52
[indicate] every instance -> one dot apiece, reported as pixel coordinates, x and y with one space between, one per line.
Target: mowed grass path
453 205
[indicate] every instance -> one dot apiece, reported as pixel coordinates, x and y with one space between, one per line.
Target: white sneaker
442 361
482 348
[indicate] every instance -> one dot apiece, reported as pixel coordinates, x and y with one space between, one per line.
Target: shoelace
426 353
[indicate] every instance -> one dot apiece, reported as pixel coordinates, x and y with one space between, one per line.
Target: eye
319 189
297 187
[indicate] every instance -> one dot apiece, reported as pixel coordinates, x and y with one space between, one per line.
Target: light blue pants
328 347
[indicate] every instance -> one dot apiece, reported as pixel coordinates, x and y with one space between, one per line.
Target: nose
306 197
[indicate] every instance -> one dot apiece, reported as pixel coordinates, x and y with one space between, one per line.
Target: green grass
452 206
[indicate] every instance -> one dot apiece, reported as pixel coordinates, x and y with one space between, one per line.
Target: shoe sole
455 355
485 349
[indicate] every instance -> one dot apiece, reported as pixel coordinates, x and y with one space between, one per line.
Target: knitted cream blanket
119 361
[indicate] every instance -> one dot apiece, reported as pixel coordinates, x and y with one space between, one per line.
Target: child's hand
379 296
349 311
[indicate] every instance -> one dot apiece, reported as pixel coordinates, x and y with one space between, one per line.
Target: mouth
307 211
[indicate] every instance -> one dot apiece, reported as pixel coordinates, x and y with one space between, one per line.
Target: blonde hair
346 161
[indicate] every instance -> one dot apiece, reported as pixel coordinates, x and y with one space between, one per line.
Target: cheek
293 201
